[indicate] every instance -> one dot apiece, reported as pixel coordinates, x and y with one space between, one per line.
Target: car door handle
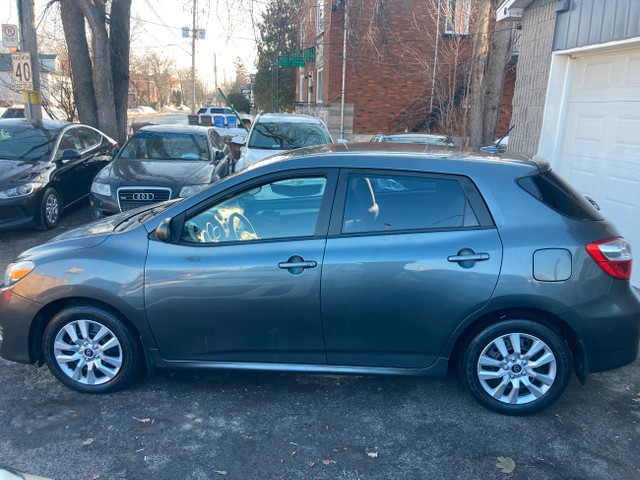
474 257
305 264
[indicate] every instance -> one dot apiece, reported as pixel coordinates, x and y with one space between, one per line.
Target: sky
156 25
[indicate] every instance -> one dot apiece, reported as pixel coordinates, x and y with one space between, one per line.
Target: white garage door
600 153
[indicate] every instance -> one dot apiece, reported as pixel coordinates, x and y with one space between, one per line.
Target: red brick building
393 49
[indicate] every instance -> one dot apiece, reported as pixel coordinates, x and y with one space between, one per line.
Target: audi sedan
159 163
358 258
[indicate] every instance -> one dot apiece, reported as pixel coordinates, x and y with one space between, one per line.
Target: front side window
287 135
166 146
381 203
457 17
69 141
280 209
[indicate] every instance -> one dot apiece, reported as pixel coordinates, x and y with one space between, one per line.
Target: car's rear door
252 296
408 257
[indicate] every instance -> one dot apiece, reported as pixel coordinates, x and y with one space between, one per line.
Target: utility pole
193 60
215 71
29 43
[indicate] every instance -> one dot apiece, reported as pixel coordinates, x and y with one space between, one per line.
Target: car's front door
408 257
243 282
72 175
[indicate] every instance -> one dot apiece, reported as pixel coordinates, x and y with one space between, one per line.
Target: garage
599 148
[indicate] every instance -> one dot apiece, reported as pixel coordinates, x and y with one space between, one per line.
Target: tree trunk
500 52
479 59
119 41
94 12
78 50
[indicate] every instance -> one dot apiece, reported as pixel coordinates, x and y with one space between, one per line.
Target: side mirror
163 231
592 202
115 151
219 155
69 155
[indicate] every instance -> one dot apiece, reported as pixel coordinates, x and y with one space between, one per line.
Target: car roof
53 125
176 128
416 157
288 117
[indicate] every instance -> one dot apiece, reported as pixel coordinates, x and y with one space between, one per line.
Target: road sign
22 75
9 35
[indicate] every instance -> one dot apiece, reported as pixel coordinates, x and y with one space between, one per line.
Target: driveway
205 424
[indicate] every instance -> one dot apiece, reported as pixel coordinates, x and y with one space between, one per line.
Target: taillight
613 256
115 144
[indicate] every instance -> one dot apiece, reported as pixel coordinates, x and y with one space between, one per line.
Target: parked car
158 163
17 111
362 259
215 111
45 167
274 133
421 138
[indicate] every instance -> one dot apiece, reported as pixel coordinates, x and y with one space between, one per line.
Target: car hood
255 155
171 173
17 172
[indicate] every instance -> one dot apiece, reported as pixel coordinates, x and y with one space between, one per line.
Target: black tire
539 386
50 209
98 370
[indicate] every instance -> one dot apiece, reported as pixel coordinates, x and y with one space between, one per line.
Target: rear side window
557 194
379 203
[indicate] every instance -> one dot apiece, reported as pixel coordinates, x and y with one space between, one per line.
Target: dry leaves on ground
88 441
329 462
311 464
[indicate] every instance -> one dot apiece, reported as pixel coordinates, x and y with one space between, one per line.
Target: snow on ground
142 110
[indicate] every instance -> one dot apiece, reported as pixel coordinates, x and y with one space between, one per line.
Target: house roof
511 9
6 65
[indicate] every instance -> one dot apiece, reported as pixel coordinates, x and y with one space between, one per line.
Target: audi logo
142 196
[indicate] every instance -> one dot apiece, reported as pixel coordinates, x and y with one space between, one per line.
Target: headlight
103 189
21 191
189 190
16 271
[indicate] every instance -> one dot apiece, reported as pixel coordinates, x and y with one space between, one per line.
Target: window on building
319 86
457 17
301 94
320 16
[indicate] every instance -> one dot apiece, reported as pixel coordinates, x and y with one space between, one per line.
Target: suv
274 133
360 258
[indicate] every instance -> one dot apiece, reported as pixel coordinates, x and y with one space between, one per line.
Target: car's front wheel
91 350
50 209
516 367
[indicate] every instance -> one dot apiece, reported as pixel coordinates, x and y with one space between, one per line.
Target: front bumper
16 318
103 206
19 211
609 328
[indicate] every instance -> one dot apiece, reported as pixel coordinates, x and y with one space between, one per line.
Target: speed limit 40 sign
22 74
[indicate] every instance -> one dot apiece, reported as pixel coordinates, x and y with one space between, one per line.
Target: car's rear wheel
50 209
90 350
516 367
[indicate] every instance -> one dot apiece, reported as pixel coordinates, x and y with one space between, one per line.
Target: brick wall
390 57
534 62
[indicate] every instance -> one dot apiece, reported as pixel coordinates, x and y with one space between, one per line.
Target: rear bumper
609 328
16 317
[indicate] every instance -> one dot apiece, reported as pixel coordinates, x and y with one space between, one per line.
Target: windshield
421 139
166 146
287 136
23 142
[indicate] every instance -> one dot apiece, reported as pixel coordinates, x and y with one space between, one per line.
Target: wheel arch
44 316
543 317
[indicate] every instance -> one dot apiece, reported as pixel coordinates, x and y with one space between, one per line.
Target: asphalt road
203 425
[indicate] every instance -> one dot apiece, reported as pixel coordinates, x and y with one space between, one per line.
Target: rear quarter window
557 194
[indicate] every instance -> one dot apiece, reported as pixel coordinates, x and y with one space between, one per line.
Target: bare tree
101 80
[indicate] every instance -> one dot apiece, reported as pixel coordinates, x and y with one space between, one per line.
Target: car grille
135 197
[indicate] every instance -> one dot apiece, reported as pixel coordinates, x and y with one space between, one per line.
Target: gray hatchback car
358 258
